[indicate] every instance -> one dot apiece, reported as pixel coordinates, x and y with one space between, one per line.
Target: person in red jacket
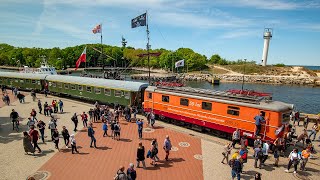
84 118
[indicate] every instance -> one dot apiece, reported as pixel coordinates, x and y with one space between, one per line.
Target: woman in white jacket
73 144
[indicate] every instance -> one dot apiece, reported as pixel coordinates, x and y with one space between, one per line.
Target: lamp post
244 70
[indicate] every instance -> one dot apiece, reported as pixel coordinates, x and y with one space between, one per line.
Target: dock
194 156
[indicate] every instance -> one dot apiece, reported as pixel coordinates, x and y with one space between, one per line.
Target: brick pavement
102 163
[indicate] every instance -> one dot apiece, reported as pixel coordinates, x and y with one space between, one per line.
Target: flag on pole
139 21
179 63
97 29
82 58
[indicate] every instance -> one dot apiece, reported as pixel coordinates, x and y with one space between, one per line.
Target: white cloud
240 33
271 4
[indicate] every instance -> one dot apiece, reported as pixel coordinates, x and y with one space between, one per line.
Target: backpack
116 127
260 154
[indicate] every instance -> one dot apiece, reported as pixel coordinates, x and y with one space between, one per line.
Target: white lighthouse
267 35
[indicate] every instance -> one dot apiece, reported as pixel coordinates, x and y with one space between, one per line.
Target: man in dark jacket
91 135
236 168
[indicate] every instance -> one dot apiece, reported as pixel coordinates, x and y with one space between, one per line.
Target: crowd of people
262 149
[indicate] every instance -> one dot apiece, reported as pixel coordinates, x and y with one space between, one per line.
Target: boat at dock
44 69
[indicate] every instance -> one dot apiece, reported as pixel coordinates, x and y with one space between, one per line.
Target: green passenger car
26 81
102 90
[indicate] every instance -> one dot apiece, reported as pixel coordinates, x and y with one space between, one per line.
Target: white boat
44 69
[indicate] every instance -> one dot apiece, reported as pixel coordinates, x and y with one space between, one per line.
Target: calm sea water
305 98
312 67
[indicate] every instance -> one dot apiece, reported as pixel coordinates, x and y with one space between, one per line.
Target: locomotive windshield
286 117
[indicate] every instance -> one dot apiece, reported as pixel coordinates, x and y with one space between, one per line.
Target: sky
231 28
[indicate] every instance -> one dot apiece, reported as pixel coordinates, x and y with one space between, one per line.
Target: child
105 128
73 144
257 176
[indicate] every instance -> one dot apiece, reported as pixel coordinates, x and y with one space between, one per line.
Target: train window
21 81
89 89
107 92
28 81
66 86
54 84
117 93
59 85
207 106
165 98
73 87
16 80
80 88
184 102
127 95
150 95
233 110
33 81
97 90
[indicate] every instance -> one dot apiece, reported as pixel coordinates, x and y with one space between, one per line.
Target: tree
215 59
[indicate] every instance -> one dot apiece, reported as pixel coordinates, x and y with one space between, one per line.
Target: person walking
257 142
259 119
167 147
120 175
55 137
131 172
314 131
75 120
65 135
27 143
34 134
265 150
105 129
302 137
294 158
235 137
33 95
54 105
73 144
276 155
297 118
15 119
155 144
45 109
141 156
140 127
91 114
305 154
39 106
41 126
113 123
152 119
31 122
236 168
52 126
258 156
91 135
306 122
84 118
117 130
226 151
20 97
60 103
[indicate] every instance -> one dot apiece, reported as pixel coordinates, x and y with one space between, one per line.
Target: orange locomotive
217 111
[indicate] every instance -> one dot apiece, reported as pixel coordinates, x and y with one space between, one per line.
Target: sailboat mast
148 46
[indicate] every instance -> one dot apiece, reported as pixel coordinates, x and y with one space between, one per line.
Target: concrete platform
102 163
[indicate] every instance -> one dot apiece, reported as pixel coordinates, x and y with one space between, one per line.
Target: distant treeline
113 56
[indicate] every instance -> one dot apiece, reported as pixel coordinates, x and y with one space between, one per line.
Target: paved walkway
102 163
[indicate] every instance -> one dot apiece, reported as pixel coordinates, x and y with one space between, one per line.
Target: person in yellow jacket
305 154
235 155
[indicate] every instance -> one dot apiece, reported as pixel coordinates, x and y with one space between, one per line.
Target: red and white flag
82 58
97 29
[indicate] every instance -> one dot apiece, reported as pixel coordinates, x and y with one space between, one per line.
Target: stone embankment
267 79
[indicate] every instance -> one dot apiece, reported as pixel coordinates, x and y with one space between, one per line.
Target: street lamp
244 70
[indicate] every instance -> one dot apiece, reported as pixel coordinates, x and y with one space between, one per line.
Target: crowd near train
216 112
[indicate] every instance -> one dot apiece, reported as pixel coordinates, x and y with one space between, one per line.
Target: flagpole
148 46
101 47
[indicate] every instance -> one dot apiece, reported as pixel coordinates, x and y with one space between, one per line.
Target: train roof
23 75
224 97
106 83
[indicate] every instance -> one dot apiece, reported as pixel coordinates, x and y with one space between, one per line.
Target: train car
103 90
216 111
26 81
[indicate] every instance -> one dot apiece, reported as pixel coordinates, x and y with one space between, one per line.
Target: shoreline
254 79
